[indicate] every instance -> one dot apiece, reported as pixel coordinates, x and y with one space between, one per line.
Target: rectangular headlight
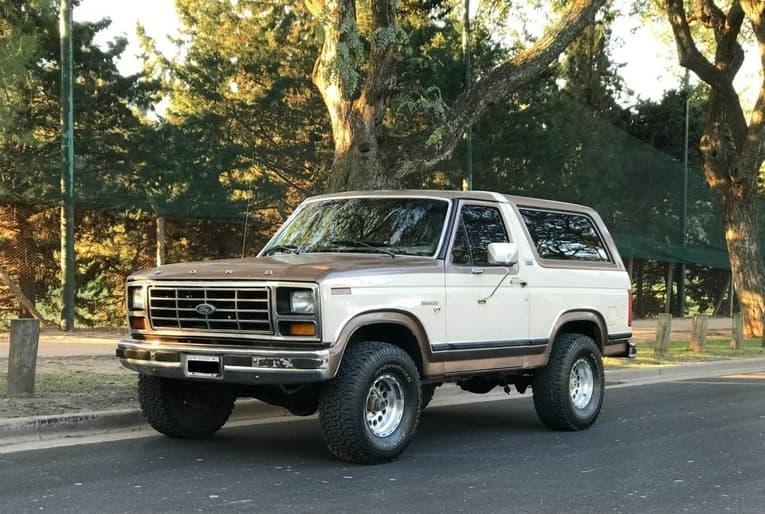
302 302
136 299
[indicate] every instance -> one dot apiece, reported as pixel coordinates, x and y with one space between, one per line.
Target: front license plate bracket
204 366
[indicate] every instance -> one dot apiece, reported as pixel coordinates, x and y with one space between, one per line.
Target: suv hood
298 268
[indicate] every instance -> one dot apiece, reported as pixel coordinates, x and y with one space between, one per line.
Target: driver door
477 319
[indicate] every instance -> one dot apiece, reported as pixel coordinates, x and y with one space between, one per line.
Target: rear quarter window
565 236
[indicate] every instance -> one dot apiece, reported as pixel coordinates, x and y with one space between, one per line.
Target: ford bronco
363 303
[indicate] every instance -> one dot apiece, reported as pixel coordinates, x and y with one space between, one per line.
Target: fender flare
589 315
377 317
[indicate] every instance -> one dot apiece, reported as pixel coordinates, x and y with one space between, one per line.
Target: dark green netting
569 155
572 155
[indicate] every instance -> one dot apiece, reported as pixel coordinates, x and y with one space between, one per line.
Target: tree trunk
732 175
356 79
743 242
732 149
357 163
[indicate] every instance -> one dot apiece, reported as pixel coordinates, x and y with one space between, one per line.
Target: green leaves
18 44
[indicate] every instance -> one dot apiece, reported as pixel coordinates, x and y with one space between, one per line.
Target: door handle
476 271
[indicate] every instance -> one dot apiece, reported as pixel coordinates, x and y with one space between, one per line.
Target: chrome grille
237 309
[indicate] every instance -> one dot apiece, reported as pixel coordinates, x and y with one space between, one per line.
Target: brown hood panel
298 268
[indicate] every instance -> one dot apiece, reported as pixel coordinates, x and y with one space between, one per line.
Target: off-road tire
551 387
342 403
166 406
428 390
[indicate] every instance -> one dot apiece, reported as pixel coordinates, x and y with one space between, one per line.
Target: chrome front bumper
235 364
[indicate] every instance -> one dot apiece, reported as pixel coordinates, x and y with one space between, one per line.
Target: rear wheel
369 412
184 409
568 392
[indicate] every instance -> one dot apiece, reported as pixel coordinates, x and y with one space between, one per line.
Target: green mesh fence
567 154
636 188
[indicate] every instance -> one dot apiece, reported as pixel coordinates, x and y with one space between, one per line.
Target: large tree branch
336 17
753 149
729 50
688 53
425 152
717 75
755 11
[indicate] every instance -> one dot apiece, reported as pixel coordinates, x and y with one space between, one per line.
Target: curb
41 428
656 374
14 431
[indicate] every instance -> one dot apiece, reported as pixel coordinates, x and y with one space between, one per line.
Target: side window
565 236
478 226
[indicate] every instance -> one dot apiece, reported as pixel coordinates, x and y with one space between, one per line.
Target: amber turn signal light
298 328
137 323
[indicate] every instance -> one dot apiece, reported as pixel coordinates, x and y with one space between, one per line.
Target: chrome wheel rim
581 383
384 407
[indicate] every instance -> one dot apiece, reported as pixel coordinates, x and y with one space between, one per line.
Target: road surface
692 446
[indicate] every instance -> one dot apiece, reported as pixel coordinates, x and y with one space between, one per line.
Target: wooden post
699 333
737 336
22 357
663 334
161 241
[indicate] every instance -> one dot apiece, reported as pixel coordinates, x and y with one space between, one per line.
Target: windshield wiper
358 243
281 248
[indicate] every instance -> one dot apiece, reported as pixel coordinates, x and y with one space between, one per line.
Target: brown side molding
433 363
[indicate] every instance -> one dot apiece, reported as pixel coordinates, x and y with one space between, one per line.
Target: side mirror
505 254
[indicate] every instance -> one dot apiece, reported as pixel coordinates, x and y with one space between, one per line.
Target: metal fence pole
67 165
684 212
468 182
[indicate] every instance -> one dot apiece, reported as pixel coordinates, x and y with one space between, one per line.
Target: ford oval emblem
205 309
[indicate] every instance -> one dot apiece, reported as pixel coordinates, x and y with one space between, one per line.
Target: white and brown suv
363 303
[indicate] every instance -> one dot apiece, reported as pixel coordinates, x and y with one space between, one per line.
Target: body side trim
433 361
476 345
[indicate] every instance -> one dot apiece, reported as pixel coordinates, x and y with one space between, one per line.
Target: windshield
395 226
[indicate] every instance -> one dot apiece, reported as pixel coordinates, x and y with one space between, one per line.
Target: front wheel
369 412
184 409
568 392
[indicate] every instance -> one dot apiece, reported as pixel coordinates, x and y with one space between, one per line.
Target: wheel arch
396 327
581 321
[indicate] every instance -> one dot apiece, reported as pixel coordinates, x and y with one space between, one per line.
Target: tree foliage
233 128
105 127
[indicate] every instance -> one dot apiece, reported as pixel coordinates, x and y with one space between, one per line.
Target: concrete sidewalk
57 343
645 329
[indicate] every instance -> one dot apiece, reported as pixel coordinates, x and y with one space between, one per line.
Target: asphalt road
696 446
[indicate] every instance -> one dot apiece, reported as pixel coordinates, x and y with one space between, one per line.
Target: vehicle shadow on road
445 426
453 426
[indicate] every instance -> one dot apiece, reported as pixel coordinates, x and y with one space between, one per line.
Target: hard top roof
486 196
